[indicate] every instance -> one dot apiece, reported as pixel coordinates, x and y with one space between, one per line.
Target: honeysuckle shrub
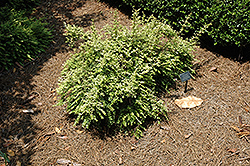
230 18
114 77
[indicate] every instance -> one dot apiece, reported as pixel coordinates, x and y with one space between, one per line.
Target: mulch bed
214 133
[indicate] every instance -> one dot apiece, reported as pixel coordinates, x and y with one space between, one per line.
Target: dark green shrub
230 18
115 77
231 23
23 5
21 38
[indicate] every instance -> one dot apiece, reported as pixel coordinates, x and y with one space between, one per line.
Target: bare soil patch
200 136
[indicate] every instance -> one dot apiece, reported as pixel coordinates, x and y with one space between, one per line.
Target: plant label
185 76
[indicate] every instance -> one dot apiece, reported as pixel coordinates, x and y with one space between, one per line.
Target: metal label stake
185 77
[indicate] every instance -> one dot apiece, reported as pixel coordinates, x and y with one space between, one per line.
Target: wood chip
163 141
240 121
236 128
247 109
133 148
79 131
57 130
63 137
246 158
187 136
165 128
244 133
63 161
28 111
213 69
232 150
120 161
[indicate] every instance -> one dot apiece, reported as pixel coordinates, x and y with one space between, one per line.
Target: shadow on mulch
231 52
120 5
18 130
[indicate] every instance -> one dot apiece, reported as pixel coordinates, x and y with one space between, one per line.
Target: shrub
21 38
114 78
230 19
20 5
231 23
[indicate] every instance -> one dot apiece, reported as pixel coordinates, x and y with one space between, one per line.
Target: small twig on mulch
245 158
247 108
227 156
243 131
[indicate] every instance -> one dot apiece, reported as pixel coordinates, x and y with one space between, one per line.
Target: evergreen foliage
230 18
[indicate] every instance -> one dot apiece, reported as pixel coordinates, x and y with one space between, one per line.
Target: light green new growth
115 77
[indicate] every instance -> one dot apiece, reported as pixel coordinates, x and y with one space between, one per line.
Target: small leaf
11 153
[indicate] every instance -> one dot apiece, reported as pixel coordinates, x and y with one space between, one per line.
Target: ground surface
198 136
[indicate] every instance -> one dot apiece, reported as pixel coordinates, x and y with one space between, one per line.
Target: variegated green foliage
115 77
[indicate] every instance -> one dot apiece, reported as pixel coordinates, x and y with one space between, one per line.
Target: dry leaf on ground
11 153
188 102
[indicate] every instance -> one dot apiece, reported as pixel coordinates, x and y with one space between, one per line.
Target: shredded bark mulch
36 132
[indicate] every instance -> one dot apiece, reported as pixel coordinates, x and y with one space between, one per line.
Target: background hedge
230 18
